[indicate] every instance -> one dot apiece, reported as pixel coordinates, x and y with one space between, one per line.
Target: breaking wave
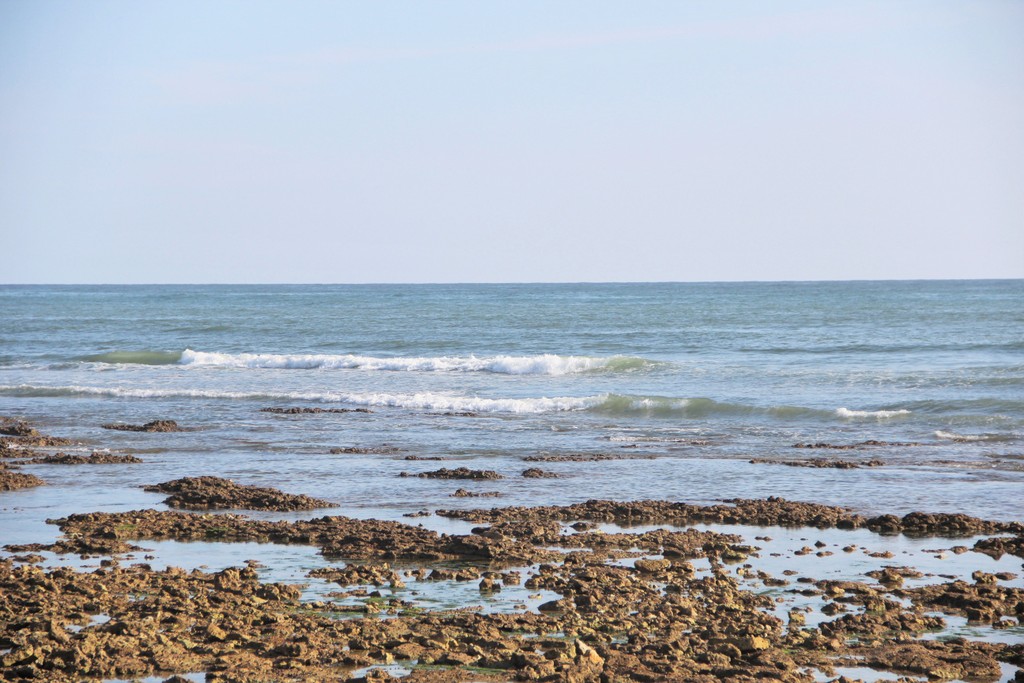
879 414
419 401
544 364
605 404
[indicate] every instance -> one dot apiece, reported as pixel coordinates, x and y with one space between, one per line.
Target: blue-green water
701 377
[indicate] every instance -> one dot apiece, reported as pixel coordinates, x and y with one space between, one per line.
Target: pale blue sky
475 141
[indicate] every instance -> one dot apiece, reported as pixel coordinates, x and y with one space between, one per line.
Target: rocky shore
637 593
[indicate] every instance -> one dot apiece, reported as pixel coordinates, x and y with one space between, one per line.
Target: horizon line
495 283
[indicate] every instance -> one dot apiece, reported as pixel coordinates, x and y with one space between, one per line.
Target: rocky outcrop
771 511
154 426
215 493
457 473
11 480
819 463
537 473
870 443
97 458
626 606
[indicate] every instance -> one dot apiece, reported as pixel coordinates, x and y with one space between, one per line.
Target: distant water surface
683 384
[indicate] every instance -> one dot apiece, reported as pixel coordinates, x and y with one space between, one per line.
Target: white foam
953 436
545 364
880 414
420 401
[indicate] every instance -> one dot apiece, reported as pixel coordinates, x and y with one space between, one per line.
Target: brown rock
12 481
537 473
97 458
154 426
216 493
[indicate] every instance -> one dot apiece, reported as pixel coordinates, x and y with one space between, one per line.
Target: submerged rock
364 450
835 464
855 446
463 493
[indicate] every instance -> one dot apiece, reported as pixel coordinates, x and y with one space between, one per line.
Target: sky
212 141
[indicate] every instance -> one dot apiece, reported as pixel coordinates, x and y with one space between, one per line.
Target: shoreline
603 590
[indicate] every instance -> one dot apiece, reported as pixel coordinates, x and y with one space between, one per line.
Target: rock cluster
1000 545
537 473
97 458
11 426
11 480
854 446
465 493
588 457
215 493
657 619
457 473
771 511
364 450
154 426
661 604
835 464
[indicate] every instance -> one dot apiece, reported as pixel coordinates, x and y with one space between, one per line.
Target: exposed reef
154 426
215 493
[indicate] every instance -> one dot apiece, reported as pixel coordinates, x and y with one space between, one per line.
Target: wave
667 406
879 414
695 408
544 364
972 438
420 401
605 404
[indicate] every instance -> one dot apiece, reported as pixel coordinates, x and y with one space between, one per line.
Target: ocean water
683 383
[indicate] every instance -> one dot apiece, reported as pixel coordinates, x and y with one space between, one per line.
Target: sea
697 393
625 391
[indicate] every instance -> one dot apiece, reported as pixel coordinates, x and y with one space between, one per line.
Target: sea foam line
542 364
880 414
419 401
610 404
